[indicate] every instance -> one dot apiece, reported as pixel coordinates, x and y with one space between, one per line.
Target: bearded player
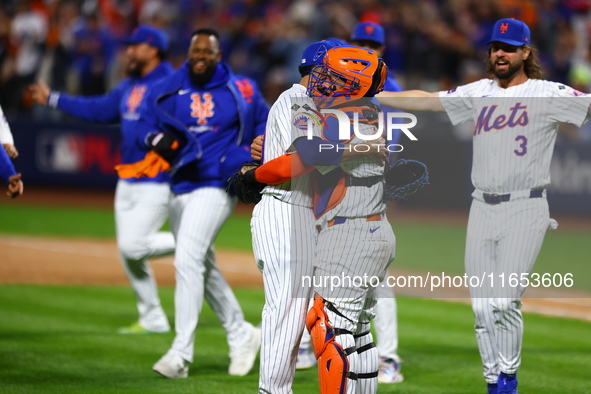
517 116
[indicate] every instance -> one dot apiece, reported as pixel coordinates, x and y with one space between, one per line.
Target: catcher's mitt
245 185
404 178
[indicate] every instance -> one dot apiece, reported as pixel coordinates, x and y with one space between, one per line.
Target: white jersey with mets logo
279 137
515 129
513 141
284 240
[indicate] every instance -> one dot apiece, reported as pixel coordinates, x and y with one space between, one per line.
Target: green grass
97 223
63 340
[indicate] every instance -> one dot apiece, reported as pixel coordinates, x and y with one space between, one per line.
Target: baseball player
516 115
284 254
6 137
354 236
7 171
201 120
371 36
141 205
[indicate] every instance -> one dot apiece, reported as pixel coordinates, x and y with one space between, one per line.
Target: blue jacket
6 168
122 104
215 124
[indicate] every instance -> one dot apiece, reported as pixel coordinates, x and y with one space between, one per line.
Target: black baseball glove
245 185
404 178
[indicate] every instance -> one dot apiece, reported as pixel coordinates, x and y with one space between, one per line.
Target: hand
40 92
15 186
165 144
374 150
10 150
256 148
379 151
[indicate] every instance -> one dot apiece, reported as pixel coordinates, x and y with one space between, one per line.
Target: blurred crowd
431 44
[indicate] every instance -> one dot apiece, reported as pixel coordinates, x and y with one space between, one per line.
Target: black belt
499 198
367 182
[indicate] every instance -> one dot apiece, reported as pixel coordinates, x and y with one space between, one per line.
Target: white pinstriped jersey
279 137
515 129
5 134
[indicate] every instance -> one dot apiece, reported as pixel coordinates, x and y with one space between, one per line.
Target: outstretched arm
412 100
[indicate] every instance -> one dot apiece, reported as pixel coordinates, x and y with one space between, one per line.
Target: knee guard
333 364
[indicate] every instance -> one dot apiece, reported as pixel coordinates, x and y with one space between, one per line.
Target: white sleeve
458 102
5 134
567 104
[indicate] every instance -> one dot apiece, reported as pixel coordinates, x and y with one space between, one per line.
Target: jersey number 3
522 147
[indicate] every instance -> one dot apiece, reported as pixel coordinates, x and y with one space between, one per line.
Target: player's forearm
282 169
411 100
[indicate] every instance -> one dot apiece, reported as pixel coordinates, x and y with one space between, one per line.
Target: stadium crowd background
431 44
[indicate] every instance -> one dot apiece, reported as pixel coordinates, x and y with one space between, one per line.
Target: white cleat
242 359
172 366
389 371
306 359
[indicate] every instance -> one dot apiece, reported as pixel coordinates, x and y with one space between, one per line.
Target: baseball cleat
136 328
172 366
242 359
306 359
389 371
492 388
507 384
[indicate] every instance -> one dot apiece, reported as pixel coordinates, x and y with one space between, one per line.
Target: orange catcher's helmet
347 72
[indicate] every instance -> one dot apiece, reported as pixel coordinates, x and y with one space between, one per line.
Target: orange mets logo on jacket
202 107
135 97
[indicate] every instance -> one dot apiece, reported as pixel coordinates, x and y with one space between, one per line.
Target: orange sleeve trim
282 169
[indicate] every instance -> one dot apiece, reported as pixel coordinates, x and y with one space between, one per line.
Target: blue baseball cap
314 54
149 35
511 31
369 31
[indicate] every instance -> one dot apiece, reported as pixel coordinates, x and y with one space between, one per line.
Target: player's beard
201 78
135 67
509 73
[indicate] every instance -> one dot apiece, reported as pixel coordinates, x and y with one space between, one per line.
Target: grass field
62 339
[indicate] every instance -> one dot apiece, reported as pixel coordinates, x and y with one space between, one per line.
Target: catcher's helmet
347 72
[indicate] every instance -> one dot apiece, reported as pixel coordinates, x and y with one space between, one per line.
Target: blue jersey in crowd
215 123
6 168
122 104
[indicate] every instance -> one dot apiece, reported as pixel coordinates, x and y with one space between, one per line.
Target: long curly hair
531 66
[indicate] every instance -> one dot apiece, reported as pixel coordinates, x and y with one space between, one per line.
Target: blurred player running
141 205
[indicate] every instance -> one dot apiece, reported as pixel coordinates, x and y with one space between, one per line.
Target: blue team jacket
6 168
122 104
211 147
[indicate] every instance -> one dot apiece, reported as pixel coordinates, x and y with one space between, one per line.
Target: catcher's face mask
347 72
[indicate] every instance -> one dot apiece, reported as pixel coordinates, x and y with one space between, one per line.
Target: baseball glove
404 178
245 185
